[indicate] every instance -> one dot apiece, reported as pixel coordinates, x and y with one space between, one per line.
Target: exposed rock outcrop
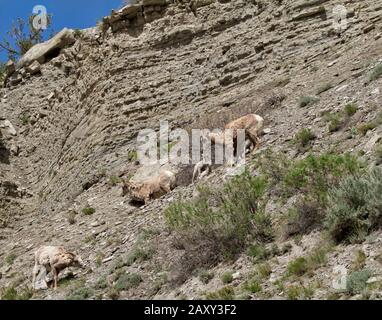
196 64
43 52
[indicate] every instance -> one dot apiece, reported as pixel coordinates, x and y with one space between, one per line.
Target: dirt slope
77 121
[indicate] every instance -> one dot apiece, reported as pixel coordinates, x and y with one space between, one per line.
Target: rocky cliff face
71 125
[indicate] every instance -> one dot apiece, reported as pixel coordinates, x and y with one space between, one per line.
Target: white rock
375 91
342 88
8 125
374 279
107 259
40 51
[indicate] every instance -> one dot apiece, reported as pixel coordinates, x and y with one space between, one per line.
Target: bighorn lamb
54 259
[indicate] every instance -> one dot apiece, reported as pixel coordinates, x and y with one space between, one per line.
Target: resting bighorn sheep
152 188
54 259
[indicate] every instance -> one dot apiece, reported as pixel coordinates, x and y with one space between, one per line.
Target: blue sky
66 13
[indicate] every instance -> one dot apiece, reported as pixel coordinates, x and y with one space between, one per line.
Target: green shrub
258 252
113 294
118 264
305 216
356 282
114 180
264 270
335 121
10 258
355 207
101 283
314 175
226 293
304 137
220 223
72 217
310 179
317 258
88 211
159 282
227 277
378 119
299 292
375 73
274 166
78 33
253 285
132 155
205 276
226 216
360 261
10 293
307 100
90 238
139 254
378 154
24 118
81 293
363 128
297 267
351 109
128 281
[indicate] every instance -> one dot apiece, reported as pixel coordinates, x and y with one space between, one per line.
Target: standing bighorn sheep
53 259
252 124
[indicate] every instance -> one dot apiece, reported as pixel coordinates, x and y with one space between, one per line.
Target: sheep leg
41 274
146 198
205 172
252 136
197 171
36 271
167 188
55 277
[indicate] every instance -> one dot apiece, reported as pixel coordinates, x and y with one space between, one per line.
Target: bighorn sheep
204 166
154 187
252 124
54 259
201 170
